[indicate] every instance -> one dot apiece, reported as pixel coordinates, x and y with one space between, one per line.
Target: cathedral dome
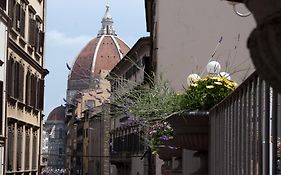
57 114
101 53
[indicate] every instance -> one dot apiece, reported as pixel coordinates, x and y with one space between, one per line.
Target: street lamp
192 78
213 68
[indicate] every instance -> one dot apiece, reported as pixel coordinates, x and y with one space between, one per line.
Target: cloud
60 39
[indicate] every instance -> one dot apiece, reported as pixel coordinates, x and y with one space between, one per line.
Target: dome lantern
107 24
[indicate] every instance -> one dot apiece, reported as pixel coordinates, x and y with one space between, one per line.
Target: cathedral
88 93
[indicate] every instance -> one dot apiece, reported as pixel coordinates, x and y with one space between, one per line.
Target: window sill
37 56
21 105
28 108
12 100
29 49
22 42
14 34
35 111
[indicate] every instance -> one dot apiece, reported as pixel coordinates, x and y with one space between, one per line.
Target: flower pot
191 130
166 153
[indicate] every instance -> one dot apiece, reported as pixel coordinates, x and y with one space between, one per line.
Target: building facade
87 93
55 129
25 86
128 148
4 21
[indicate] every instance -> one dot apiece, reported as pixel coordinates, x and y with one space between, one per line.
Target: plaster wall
187 33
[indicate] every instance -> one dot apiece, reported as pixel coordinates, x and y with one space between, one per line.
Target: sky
71 24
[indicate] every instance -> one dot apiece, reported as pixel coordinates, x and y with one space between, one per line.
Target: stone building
55 128
87 92
4 21
25 85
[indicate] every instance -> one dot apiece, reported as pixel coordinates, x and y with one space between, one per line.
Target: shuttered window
27 149
37 36
41 41
31 90
11 77
21 82
11 11
35 87
32 23
41 85
22 19
34 150
27 88
10 147
15 79
19 148
17 19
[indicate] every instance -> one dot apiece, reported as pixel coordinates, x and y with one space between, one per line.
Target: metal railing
244 129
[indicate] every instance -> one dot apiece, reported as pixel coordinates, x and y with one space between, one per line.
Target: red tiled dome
57 114
101 53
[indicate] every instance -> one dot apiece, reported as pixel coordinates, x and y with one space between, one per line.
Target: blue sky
71 24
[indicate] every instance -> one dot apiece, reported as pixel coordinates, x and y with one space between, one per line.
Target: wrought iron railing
244 129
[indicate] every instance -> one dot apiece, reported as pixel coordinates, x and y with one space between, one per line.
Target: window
10 148
31 30
34 91
39 35
17 14
11 11
15 79
27 148
34 150
19 147
21 19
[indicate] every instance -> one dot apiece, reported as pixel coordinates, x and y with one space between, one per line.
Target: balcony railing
244 130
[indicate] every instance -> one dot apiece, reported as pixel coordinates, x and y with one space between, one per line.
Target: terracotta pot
166 153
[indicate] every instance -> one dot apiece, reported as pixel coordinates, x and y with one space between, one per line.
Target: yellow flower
229 87
194 85
235 84
219 83
210 86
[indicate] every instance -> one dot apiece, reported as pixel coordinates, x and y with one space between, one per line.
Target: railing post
274 131
265 129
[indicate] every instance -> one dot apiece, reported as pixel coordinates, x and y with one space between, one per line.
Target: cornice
17 49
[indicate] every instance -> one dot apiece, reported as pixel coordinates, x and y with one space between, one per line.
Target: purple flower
164 137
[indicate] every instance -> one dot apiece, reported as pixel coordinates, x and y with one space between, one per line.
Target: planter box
191 130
